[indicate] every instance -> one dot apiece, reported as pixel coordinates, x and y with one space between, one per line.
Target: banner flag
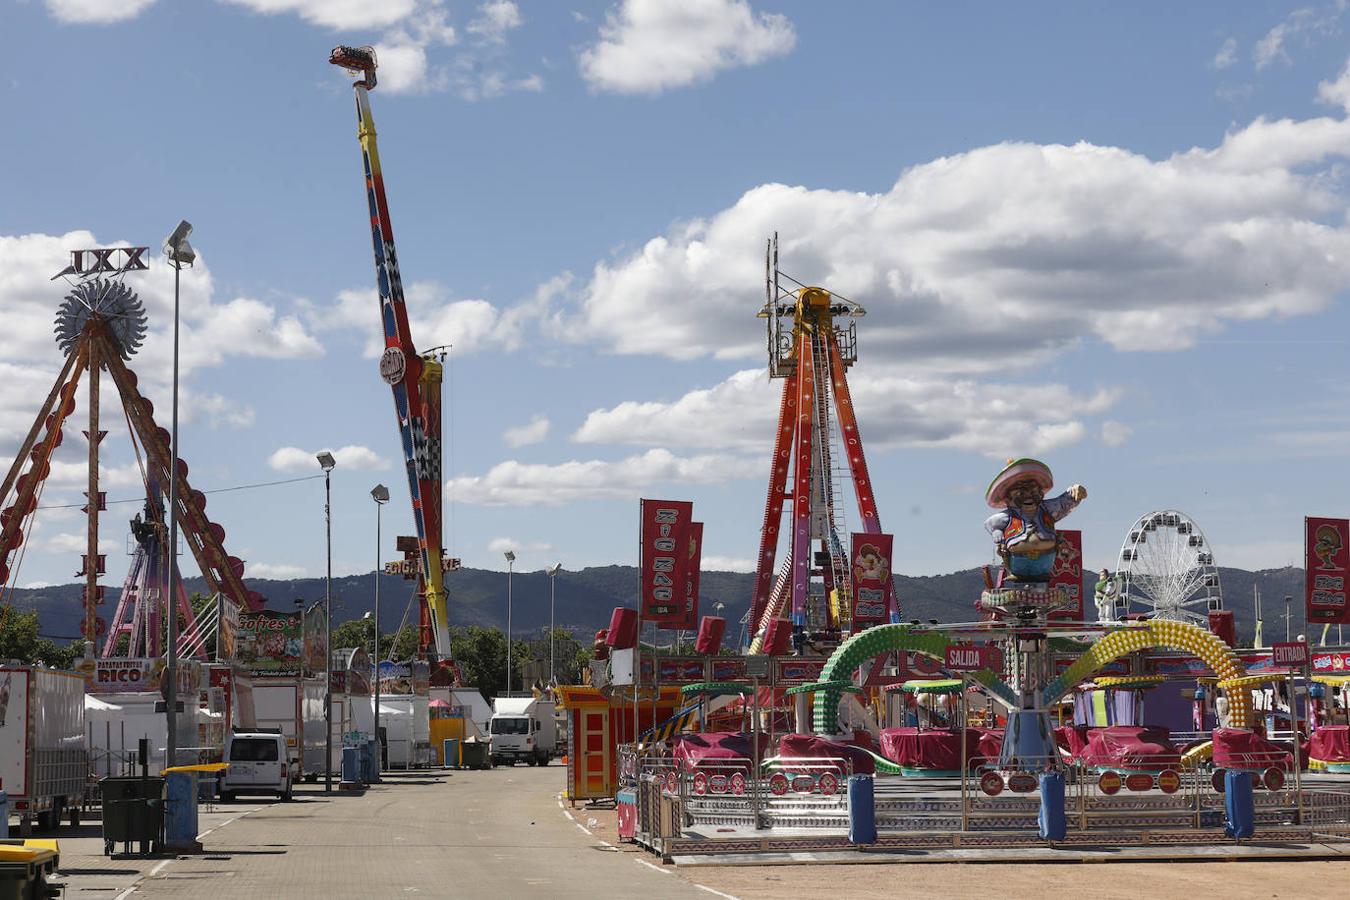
1068 573
692 572
665 560
873 583
1325 569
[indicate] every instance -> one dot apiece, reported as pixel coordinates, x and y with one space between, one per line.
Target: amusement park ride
414 378
817 447
99 327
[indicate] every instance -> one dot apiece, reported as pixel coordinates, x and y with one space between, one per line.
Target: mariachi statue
1024 528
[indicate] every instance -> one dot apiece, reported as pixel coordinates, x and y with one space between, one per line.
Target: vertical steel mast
415 380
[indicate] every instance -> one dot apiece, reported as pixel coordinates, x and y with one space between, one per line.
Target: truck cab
257 765
516 738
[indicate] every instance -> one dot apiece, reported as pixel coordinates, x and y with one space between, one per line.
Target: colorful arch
1160 633
873 642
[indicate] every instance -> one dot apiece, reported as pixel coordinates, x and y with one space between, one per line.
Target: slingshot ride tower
812 341
99 327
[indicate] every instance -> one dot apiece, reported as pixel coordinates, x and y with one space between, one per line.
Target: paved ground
504 833
499 833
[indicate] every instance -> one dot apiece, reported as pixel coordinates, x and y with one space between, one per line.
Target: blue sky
1115 239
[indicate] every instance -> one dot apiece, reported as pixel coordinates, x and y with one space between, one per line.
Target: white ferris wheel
1167 570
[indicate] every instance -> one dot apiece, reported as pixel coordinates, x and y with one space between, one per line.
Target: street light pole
1288 611
552 626
510 566
380 494
327 462
179 252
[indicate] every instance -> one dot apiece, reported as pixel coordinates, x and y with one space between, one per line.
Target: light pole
180 253
327 462
1288 612
380 494
510 566
553 571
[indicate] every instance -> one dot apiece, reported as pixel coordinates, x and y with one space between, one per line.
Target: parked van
257 765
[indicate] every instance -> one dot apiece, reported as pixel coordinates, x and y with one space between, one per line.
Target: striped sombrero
1017 470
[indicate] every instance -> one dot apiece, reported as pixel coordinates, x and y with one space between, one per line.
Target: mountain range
585 598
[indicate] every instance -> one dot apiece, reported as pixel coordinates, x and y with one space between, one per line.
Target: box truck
43 761
522 729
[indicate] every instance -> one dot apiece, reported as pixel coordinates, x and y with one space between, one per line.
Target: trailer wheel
75 817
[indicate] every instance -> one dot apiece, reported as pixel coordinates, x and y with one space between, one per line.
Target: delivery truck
522 729
43 761
278 703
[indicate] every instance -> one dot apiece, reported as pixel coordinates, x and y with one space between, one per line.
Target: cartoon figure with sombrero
1024 528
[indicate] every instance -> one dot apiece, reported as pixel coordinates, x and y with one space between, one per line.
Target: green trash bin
474 755
133 812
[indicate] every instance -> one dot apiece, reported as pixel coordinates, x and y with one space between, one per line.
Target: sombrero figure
1024 528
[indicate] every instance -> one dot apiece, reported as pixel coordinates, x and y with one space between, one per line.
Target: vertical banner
873 584
665 559
1325 569
1068 574
693 567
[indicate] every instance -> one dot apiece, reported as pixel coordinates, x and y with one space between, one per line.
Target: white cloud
72 542
96 12
502 544
344 15
1304 23
512 483
1115 433
649 46
522 435
1226 55
1336 93
1014 245
353 456
894 409
495 18
279 571
726 564
436 320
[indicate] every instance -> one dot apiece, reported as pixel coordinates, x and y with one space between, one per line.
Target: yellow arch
1161 633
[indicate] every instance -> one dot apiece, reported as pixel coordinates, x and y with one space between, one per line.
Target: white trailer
311 707
522 729
43 761
279 703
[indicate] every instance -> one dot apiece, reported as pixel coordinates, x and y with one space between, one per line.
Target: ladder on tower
782 590
832 476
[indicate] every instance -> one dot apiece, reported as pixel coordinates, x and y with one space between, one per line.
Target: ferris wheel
1167 570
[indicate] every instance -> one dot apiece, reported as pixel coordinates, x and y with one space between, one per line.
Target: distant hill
585 598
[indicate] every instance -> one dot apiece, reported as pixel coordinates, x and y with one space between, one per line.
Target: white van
257 765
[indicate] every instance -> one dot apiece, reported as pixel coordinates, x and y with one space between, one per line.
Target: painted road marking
704 887
643 862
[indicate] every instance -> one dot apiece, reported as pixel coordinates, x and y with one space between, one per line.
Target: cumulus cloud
436 319
1337 92
1304 23
532 433
895 410
513 483
279 571
649 46
345 15
1013 245
1226 55
353 456
726 564
495 18
96 12
1115 433
502 544
72 542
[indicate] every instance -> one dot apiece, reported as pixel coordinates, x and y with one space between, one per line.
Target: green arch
879 639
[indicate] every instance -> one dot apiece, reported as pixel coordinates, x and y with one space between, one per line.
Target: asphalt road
498 833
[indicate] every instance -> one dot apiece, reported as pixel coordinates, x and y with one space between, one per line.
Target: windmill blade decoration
110 301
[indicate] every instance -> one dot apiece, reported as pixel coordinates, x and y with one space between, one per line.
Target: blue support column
1051 817
1239 804
180 812
862 810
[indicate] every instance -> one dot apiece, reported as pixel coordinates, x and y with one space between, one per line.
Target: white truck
522 729
278 703
43 761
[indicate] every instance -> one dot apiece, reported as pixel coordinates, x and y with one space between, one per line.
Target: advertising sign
1326 566
691 577
665 559
971 658
227 637
1068 574
873 585
728 668
269 643
136 674
795 670
1293 654
13 731
313 642
680 671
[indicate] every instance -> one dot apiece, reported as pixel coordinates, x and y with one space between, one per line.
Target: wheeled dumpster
133 813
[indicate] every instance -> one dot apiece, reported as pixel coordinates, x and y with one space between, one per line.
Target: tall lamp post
380 494
327 462
180 253
510 567
553 571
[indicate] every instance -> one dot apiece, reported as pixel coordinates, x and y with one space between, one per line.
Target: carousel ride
100 325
